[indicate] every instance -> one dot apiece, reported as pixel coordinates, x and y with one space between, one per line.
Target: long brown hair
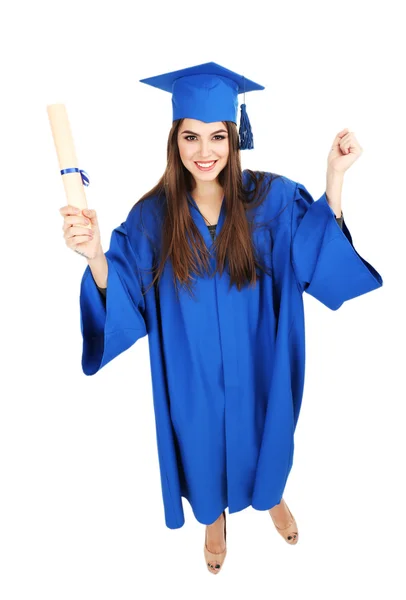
233 246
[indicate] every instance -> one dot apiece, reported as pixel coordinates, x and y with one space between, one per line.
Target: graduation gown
227 366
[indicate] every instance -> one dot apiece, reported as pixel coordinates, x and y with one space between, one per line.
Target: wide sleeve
325 262
111 324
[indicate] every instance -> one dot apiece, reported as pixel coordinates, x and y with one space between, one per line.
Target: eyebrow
214 132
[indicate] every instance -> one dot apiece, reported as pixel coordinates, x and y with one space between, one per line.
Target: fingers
88 212
91 214
69 210
339 137
74 216
75 240
79 233
81 230
70 221
345 141
349 142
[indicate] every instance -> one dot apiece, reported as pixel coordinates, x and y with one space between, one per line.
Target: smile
205 166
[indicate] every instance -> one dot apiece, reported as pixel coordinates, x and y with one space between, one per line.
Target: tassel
246 137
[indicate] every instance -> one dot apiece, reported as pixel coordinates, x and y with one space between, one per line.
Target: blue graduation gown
227 366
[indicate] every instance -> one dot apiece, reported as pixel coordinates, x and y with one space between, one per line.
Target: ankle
219 520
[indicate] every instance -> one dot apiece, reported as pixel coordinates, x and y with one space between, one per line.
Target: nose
205 150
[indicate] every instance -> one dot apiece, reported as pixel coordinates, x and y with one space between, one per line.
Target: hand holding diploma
83 241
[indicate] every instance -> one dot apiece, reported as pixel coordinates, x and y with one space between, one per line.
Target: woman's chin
205 176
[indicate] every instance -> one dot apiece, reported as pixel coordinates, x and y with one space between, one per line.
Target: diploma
65 150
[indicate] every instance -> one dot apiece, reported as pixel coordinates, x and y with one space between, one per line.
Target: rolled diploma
65 150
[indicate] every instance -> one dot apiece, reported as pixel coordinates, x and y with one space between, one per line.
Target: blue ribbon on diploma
84 175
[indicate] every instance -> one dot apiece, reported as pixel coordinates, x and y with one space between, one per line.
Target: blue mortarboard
208 93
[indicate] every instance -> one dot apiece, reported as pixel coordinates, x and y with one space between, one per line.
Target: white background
81 512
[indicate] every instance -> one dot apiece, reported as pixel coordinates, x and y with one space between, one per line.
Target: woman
227 357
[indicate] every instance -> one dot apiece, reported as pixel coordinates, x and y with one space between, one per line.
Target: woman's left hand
345 150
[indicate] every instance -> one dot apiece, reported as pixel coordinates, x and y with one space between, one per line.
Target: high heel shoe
290 532
215 560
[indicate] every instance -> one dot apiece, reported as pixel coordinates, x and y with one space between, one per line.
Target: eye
221 137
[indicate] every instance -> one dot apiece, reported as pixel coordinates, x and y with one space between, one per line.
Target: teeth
207 165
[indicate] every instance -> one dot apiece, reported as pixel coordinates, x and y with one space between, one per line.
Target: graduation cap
209 93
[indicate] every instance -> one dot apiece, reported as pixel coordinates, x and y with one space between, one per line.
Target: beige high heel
290 533
215 560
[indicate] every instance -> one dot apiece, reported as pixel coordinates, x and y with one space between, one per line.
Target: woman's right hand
83 240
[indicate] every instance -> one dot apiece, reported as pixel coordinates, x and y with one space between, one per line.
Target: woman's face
203 148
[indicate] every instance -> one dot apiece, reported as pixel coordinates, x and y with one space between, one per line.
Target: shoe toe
289 533
292 538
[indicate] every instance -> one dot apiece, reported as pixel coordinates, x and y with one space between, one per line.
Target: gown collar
201 223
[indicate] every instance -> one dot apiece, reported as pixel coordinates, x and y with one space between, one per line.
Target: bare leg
215 535
280 515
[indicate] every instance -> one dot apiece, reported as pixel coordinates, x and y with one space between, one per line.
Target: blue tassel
246 137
